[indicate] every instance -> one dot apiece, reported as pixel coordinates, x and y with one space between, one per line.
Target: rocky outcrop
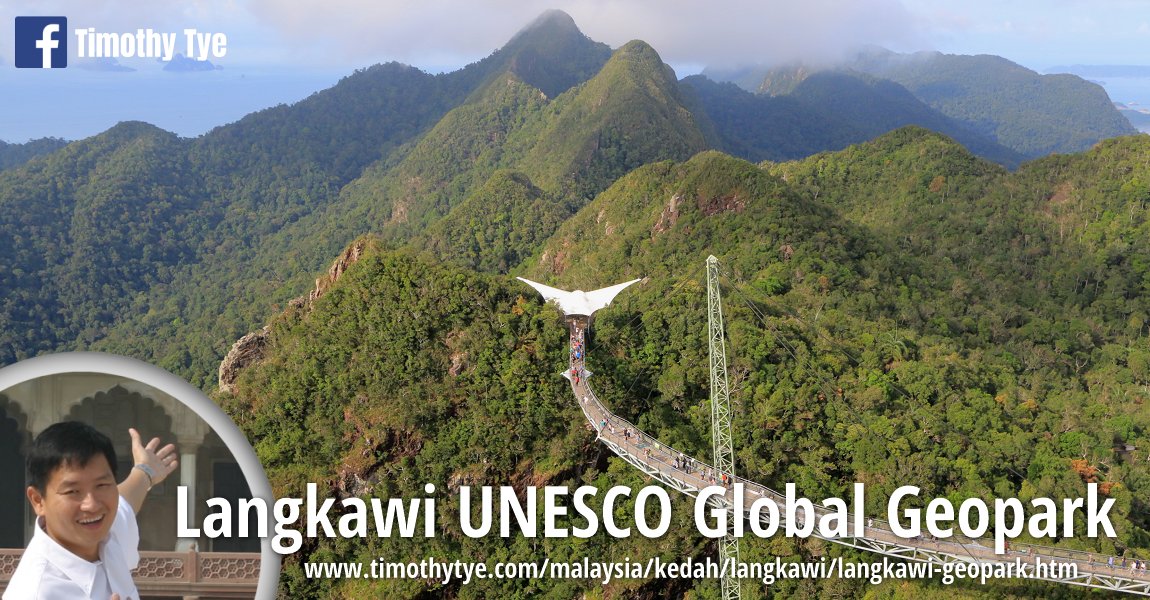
669 216
250 349
349 257
246 351
714 205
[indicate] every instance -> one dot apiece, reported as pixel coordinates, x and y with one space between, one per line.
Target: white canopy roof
578 302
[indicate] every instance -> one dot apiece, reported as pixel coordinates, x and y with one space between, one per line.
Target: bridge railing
958 546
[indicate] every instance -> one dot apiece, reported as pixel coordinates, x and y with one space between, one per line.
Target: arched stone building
112 404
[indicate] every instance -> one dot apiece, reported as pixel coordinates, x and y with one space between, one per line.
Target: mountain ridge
989 94
898 312
276 194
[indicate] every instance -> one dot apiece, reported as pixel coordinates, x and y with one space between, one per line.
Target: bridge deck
659 461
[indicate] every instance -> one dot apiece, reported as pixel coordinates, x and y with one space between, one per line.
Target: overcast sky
283 50
438 34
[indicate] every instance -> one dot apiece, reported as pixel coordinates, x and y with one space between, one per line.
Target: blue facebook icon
41 42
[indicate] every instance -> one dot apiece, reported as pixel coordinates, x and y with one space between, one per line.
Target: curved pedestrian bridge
660 461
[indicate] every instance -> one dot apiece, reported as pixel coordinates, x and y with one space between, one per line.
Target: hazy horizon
281 52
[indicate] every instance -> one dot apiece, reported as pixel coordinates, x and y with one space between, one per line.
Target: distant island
183 64
1102 70
1139 116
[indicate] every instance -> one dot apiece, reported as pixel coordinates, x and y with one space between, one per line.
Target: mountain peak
639 48
552 54
125 132
551 20
637 60
630 113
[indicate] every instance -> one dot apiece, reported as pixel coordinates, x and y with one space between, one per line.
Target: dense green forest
269 200
266 206
889 271
14 155
902 310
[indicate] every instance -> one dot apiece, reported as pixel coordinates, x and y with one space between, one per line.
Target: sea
1134 92
75 103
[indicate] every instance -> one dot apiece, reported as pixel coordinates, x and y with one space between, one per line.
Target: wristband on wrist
148 472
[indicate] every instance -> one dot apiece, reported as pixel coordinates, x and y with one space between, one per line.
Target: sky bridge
663 463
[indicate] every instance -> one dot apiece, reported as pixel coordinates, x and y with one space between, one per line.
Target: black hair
67 443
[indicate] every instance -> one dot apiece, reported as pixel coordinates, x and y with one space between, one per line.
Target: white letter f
47 43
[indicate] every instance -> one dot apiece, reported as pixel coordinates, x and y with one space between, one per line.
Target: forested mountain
570 147
497 226
551 54
628 114
988 328
14 155
90 228
272 186
244 183
1031 114
823 111
392 150
900 312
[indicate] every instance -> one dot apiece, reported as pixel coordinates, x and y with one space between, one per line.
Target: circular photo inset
59 503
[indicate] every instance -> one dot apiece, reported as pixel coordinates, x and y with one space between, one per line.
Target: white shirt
48 571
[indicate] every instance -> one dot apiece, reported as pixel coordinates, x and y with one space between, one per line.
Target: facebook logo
41 42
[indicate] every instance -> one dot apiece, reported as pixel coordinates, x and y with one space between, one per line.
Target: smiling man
86 539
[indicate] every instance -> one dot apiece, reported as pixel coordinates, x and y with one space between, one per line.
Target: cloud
445 34
744 31
113 15
127 16
738 31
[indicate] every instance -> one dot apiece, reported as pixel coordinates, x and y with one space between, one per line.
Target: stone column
188 480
